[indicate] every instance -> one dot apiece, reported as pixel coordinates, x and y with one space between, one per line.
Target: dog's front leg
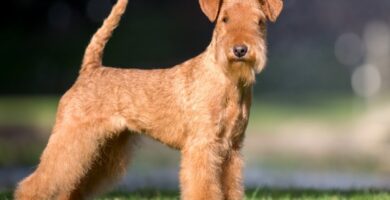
232 176
201 171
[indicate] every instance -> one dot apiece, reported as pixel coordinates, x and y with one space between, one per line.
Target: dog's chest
236 115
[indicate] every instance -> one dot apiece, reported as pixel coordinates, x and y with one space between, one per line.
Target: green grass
261 194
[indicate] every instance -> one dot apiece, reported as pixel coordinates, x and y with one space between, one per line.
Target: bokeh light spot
366 81
349 49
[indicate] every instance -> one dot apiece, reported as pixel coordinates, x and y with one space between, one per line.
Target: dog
200 107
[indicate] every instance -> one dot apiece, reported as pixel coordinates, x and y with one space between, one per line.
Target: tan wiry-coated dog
200 107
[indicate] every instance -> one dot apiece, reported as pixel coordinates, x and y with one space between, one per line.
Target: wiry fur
200 107
94 52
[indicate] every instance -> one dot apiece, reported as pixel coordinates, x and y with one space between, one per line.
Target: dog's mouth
241 63
242 60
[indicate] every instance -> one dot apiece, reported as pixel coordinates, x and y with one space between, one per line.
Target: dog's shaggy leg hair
77 163
110 165
232 176
64 162
201 170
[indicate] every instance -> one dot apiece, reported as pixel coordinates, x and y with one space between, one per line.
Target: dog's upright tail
94 52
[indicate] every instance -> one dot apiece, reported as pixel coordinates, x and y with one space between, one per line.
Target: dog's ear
210 8
272 8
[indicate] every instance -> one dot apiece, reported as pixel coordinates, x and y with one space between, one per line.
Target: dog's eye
225 19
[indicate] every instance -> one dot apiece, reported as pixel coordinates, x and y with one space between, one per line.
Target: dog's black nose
240 50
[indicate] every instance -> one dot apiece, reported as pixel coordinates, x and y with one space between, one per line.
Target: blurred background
321 114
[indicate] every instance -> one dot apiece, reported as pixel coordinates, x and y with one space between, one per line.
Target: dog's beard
244 71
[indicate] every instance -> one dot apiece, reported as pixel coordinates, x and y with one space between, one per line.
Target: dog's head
240 31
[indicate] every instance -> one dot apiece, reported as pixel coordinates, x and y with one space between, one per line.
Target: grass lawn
262 194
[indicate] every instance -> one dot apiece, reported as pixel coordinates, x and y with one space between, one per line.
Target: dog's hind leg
70 155
108 167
